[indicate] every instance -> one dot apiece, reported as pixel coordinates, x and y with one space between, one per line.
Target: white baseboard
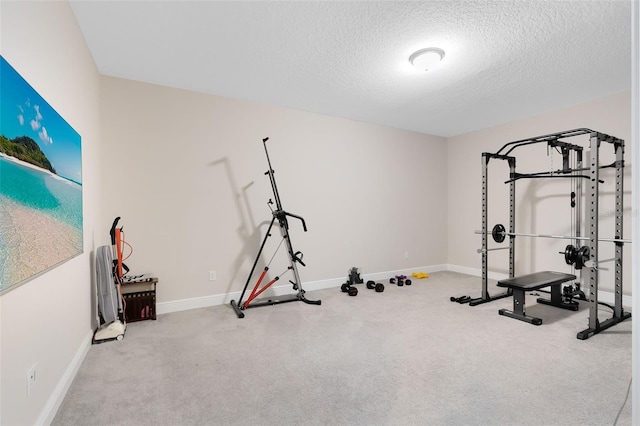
603 296
281 290
57 396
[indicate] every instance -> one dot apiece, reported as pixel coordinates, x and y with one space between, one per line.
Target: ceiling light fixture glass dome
426 59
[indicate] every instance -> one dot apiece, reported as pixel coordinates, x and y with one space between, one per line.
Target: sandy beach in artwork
34 167
43 240
24 163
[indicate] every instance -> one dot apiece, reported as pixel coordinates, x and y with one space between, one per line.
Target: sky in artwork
23 112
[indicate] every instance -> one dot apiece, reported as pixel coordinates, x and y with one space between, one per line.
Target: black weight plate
498 233
569 254
379 288
582 257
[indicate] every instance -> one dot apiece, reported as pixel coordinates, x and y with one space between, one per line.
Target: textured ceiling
504 59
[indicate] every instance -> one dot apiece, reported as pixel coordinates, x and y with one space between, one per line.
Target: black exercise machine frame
553 141
280 215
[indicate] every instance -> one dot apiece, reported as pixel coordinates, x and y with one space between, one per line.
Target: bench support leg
556 299
518 309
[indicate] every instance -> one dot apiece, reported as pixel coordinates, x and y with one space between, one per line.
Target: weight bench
520 285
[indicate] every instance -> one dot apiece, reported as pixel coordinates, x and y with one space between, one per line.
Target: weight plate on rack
498 233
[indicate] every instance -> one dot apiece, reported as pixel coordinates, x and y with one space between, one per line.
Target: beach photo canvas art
40 183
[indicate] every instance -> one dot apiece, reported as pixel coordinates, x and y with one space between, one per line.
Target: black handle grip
304 225
298 256
112 232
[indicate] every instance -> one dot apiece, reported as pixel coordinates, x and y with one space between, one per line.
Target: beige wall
186 173
48 320
542 205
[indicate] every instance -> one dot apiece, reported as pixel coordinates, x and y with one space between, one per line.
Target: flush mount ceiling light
426 59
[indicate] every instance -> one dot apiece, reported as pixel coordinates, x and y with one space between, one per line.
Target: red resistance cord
257 290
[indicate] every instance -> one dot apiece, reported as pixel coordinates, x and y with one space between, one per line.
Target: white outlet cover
31 377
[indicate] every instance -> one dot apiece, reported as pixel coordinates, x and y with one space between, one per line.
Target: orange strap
119 246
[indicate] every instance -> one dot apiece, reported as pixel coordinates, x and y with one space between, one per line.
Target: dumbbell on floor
461 299
397 281
400 280
350 290
379 287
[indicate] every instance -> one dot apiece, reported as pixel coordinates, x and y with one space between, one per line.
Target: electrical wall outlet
31 377
212 275
406 254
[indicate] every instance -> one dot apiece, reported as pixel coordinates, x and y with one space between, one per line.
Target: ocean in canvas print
40 183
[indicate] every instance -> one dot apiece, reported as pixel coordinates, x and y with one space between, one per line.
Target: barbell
499 233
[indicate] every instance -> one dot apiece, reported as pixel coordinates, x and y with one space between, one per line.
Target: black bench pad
537 280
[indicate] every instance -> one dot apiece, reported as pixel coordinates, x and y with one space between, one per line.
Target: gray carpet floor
407 356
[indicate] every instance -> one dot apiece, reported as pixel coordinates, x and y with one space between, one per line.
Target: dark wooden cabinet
140 300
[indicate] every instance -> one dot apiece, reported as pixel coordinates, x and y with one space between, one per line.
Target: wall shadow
250 233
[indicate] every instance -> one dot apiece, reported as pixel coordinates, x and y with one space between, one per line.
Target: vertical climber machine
279 215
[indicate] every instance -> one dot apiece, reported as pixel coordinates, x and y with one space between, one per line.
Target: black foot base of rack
585 334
